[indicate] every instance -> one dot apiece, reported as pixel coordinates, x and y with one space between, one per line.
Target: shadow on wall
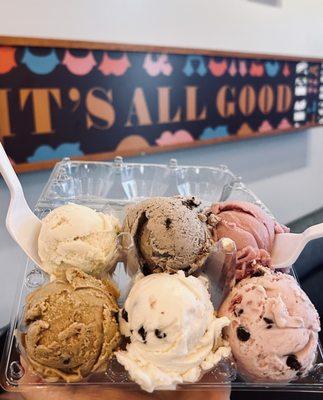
253 159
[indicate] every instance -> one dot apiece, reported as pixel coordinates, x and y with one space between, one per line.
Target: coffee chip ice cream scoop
71 327
169 234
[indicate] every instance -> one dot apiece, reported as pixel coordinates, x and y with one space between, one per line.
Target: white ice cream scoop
288 246
22 223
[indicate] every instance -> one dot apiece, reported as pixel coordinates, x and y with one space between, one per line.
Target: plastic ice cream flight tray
114 185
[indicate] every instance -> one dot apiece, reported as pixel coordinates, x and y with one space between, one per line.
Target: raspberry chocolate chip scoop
274 327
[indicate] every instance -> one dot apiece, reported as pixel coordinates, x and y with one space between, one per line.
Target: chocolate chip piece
168 223
243 334
237 313
257 273
293 363
186 270
142 333
268 320
160 334
269 326
145 269
124 315
116 316
131 331
144 265
191 203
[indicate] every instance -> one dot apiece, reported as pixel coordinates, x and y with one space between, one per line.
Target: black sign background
58 101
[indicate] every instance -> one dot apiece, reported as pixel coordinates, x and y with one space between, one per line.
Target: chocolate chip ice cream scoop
173 333
72 328
169 234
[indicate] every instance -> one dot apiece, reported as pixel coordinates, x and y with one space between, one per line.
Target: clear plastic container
114 185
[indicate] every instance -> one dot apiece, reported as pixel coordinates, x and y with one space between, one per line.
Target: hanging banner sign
95 101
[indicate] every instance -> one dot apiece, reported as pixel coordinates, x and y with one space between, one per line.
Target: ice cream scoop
169 234
274 327
252 230
71 327
77 236
173 331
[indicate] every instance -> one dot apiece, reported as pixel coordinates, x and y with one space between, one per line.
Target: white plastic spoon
288 246
22 223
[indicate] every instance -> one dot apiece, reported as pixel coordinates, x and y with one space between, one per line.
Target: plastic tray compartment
116 184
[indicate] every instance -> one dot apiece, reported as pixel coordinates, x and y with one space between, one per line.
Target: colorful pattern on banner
66 102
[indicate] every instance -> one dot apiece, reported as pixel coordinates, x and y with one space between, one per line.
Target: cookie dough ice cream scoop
169 234
274 328
173 331
71 327
77 236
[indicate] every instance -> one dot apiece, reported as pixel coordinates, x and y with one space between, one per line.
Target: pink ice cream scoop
252 230
274 327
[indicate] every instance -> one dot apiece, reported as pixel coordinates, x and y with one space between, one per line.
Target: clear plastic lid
112 186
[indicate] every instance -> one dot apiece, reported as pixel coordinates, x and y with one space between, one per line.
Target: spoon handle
9 174
313 232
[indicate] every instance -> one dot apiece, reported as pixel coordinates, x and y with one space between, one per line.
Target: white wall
219 24
285 171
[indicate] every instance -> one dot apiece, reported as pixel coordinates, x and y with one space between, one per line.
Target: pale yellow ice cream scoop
71 327
77 236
